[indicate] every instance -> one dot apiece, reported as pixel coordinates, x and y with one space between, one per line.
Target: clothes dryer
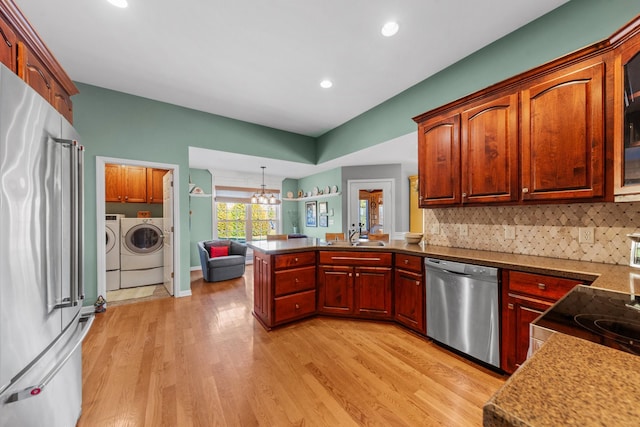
112 250
141 260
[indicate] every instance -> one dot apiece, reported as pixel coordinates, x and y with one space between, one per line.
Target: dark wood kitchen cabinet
24 53
409 292
439 161
470 156
356 284
524 297
8 45
284 287
563 131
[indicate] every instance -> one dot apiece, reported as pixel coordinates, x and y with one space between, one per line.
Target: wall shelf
199 195
319 196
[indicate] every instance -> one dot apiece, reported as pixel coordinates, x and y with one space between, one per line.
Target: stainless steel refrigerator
41 263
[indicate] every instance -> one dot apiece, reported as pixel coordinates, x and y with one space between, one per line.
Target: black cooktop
604 317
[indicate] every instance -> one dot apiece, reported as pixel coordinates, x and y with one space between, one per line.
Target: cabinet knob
350 274
542 286
126 197
357 274
295 259
297 306
525 190
510 306
296 280
417 282
464 194
406 261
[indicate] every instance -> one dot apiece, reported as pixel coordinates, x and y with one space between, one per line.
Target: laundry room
134 230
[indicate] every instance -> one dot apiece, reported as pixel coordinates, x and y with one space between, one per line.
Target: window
238 219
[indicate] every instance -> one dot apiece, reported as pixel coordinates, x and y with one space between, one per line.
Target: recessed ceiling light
390 29
326 84
119 3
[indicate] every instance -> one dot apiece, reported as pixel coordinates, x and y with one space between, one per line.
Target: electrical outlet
586 235
464 230
509 232
434 228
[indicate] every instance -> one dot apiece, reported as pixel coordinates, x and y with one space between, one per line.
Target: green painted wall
321 180
290 210
201 209
119 125
572 26
114 124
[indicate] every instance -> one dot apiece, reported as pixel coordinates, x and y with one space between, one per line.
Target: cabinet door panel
410 300
155 192
262 288
8 46
135 183
439 162
335 290
563 136
490 151
373 292
113 183
34 73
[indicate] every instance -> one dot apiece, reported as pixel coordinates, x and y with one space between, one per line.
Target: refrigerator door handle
36 389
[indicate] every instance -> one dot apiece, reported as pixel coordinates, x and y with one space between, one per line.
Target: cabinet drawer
376 259
409 262
295 306
295 280
539 285
298 259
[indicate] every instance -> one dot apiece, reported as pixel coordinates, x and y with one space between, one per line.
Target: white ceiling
262 61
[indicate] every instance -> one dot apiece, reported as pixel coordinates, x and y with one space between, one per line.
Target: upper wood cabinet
490 151
563 152
155 193
471 155
439 161
8 45
22 51
626 111
538 137
34 73
125 184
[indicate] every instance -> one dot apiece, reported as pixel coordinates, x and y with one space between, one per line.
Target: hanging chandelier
261 198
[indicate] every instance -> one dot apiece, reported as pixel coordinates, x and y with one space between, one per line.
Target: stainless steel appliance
462 308
598 315
41 275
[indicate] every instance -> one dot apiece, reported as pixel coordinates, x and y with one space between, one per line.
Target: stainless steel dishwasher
462 308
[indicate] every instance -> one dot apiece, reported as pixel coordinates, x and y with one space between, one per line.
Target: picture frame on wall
323 214
311 214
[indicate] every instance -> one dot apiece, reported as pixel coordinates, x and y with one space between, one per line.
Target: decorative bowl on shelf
412 237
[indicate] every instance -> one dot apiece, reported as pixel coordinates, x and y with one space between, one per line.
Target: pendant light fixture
261 198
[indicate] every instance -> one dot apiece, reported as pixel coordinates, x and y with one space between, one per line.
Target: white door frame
100 226
388 186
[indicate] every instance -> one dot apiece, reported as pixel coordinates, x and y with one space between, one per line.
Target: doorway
170 208
376 210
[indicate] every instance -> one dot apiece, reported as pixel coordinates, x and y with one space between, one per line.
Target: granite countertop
569 382
606 276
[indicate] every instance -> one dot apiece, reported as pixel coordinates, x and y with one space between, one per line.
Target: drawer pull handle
542 286
510 306
353 258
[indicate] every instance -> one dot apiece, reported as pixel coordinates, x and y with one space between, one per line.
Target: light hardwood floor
205 361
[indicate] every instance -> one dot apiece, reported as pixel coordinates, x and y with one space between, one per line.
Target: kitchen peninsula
505 408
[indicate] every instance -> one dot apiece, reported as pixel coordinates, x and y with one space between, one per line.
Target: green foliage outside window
232 221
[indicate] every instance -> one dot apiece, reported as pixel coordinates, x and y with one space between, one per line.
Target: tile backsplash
543 230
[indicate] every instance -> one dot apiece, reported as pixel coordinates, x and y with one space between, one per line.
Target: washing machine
141 260
112 254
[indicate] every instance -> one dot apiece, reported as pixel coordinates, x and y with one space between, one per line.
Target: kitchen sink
370 243
359 243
